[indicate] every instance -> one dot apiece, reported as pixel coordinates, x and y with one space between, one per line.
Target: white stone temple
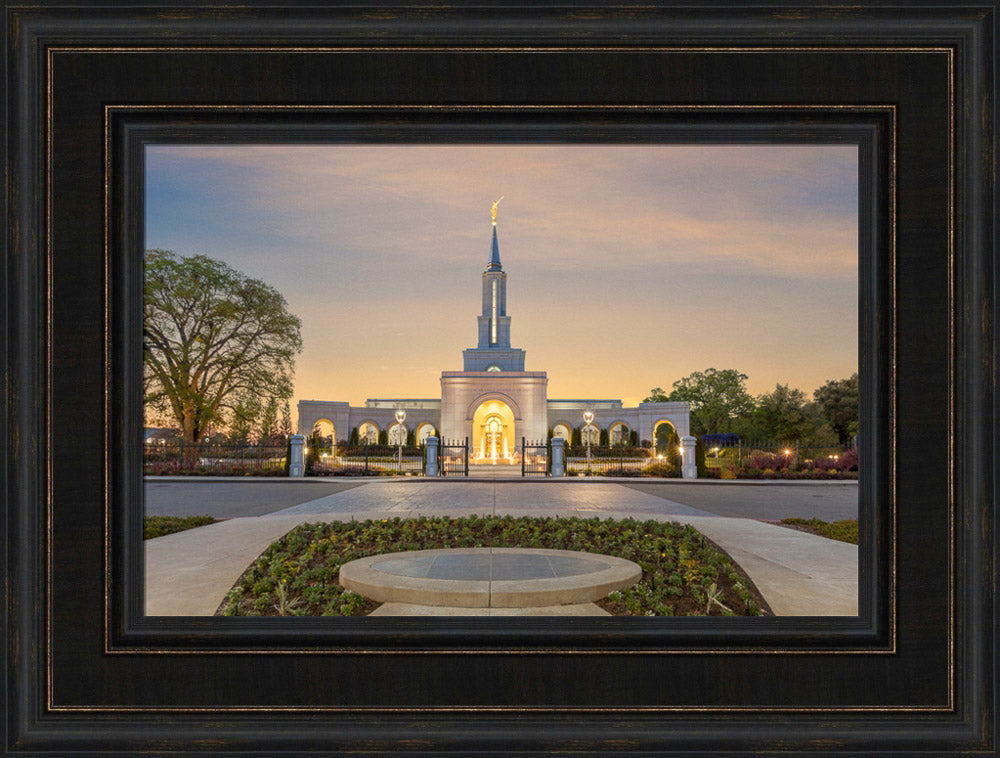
493 401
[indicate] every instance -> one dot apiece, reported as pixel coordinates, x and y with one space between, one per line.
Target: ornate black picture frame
88 85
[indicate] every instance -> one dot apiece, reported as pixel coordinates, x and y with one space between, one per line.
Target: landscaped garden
683 573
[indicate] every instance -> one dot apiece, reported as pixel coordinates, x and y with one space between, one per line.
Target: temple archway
327 433
397 434
493 434
368 433
664 433
424 431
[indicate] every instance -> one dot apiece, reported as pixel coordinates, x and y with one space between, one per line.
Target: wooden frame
915 671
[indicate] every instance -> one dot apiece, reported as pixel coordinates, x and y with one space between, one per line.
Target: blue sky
628 267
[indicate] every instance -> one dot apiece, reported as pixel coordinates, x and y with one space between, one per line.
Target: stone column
558 456
689 467
431 468
297 465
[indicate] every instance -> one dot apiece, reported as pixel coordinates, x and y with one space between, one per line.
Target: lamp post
400 417
588 417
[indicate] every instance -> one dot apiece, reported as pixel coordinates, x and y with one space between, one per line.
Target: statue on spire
493 210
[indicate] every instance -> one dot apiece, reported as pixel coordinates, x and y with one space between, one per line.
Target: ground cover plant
158 526
683 573
845 530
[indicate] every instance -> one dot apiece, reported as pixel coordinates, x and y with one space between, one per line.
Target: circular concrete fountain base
488 577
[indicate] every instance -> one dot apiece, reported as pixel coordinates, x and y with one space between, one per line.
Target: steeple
493 351
495 252
495 249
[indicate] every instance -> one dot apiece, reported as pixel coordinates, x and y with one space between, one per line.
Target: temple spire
495 248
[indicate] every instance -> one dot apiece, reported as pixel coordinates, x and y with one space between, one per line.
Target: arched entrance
493 439
327 433
665 438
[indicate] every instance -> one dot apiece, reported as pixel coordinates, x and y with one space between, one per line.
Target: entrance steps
497 471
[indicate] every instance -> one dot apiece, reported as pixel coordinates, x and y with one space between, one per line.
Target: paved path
242 496
799 574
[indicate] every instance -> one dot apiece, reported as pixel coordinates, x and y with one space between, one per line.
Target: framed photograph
100 99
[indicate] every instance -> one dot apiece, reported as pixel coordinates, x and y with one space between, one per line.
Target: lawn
845 530
158 526
683 573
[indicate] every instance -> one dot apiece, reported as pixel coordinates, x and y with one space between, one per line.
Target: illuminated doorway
493 439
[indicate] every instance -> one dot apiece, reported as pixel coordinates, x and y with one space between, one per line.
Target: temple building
492 401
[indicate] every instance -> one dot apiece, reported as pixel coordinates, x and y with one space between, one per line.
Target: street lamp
588 417
400 417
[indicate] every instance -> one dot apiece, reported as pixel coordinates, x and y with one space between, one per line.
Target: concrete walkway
799 574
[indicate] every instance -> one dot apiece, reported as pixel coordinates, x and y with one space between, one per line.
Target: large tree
717 399
838 399
784 414
217 344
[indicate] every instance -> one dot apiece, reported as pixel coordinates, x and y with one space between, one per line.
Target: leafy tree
312 449
784 414
383 437
717 399
838 399
699 457
215 342
285 427
269 429
355 438
602 439
656 395
633 438
576 437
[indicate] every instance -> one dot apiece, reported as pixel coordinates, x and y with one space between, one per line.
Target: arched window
493 367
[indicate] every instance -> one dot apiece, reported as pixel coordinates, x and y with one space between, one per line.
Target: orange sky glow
629 266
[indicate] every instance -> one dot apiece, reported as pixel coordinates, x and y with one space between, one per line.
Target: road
225 499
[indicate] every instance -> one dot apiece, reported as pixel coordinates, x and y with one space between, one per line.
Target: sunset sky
628 267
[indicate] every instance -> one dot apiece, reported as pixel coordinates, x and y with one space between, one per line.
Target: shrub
773 461
662 468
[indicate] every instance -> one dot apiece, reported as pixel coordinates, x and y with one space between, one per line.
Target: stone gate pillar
558 457
689 467
297 466
431 468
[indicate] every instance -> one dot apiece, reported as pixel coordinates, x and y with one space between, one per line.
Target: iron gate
453 458
536 458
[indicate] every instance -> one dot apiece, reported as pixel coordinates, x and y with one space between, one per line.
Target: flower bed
683 574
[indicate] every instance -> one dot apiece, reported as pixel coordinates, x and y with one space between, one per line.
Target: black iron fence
453 457
163 458
536 458
616 461
365 460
